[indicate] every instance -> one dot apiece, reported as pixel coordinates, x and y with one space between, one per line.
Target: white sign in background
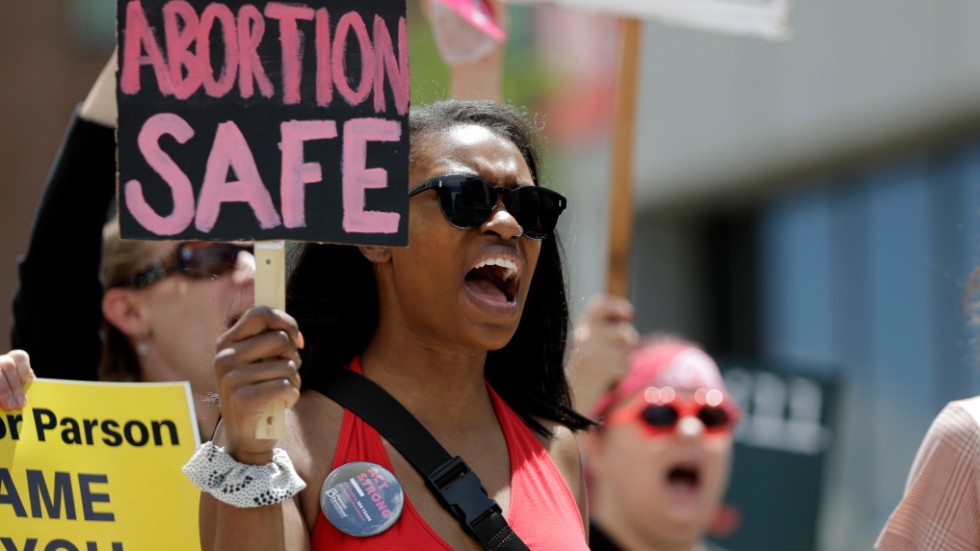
761 18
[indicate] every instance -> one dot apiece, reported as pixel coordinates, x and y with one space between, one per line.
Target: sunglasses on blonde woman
660 409
194 259
467 202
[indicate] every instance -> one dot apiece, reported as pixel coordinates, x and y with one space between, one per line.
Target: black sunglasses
468 200
194 259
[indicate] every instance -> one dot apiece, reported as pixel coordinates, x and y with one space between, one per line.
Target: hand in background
15 375
602 341
475 60
100 104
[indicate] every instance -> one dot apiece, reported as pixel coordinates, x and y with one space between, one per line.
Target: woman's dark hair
333 295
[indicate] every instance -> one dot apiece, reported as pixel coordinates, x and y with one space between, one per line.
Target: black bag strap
458 488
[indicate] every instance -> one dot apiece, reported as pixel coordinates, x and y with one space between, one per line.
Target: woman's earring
143 347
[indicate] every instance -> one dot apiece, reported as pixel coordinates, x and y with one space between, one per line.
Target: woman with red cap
659 463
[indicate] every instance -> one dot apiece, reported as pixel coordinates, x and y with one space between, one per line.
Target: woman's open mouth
684 479
494 280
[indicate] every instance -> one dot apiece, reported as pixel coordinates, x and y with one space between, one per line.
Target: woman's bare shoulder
958 421
563 447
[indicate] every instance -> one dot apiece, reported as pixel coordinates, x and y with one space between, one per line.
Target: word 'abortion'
185 64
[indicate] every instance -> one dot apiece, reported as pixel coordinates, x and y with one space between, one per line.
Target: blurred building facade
813 205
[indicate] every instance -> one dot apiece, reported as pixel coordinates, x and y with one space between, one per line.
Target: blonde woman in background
158 307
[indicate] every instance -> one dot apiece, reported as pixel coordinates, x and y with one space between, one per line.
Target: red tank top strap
542 509
361 442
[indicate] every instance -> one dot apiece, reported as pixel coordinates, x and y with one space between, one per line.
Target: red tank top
542 510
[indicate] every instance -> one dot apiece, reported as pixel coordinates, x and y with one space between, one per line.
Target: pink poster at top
478 14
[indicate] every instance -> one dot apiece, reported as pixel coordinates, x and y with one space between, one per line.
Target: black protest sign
263 120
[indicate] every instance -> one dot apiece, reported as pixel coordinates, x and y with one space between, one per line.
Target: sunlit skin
440 255
180 318
634 500
429 350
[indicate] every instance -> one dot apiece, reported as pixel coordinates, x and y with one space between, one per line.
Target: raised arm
942 495
257 363
15 375
57 306
469 78
602 341
99 106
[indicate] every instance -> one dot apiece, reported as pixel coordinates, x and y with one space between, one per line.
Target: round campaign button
361 498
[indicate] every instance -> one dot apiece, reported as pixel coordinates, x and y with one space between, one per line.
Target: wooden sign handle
270 290
621 200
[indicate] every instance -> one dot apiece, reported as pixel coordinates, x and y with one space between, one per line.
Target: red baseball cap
663 362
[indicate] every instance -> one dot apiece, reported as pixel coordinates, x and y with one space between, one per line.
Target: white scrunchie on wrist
241 485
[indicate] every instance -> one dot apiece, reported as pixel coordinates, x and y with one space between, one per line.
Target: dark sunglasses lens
535 209
660 416
714 417
468 203
208 259
527 205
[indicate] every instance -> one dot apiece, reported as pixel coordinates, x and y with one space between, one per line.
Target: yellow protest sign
96 466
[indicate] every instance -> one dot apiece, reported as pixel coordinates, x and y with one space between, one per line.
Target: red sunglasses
194 259
662 408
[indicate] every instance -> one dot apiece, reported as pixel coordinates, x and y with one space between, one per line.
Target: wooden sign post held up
621 179
263 121
270 290
769 20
